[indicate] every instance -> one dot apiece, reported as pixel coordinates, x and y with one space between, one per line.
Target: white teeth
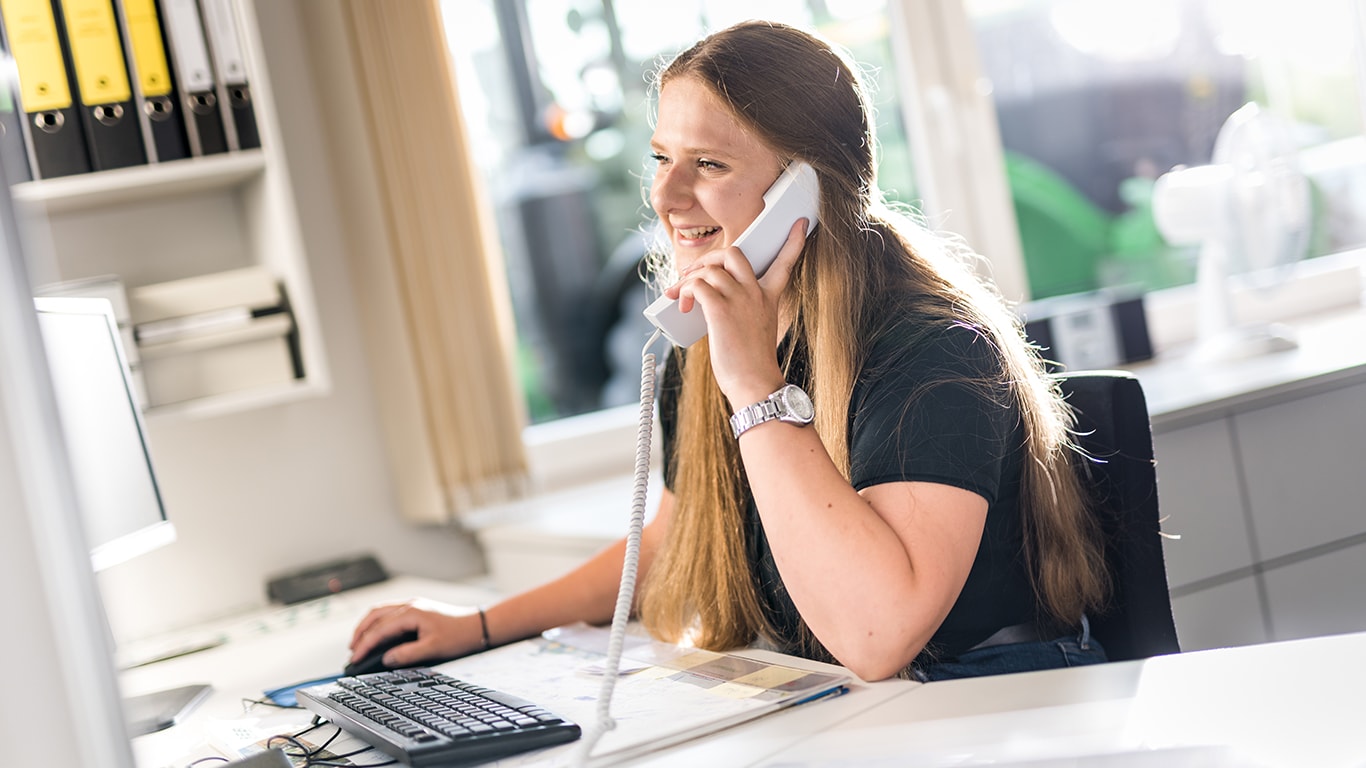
697 232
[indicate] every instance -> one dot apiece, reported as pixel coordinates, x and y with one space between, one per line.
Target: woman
929 521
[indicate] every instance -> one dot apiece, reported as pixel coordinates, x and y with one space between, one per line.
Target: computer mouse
374 660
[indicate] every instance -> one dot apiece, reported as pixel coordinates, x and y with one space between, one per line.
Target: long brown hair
864 263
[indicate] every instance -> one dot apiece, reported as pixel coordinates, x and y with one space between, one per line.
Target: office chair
1114 432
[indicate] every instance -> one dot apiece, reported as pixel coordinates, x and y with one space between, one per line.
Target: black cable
330 739
310 756
303 750
315 725
291 740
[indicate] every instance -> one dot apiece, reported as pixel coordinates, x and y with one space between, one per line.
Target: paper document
666 694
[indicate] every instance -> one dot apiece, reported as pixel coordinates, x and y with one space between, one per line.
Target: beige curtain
446 261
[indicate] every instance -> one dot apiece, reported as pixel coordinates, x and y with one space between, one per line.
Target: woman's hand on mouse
443 632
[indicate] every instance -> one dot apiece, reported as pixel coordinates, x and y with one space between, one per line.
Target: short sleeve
933 407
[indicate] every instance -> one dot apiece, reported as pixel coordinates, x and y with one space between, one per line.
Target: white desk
275 649
1297 703
1287 704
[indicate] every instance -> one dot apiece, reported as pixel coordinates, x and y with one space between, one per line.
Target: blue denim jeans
1068 651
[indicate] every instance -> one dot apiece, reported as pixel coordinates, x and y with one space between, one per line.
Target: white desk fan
1250 210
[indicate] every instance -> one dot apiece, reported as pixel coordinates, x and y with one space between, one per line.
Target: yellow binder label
96 51
144 28
37 53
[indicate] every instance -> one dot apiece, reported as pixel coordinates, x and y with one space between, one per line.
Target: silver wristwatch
788 404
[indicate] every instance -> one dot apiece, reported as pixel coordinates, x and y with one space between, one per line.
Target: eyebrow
694 151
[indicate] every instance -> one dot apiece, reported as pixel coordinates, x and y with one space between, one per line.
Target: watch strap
753 415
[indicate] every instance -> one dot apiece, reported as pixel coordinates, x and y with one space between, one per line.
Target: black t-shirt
911 418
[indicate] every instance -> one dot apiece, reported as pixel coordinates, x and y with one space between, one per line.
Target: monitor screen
105 437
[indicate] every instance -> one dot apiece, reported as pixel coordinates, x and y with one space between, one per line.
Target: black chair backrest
1114 431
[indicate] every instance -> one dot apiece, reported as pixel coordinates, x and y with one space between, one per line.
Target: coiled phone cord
621 615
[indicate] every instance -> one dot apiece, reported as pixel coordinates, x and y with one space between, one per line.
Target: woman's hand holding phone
742 311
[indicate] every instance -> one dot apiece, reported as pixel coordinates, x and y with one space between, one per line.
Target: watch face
798 403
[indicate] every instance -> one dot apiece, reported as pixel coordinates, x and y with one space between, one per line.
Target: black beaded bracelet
484 627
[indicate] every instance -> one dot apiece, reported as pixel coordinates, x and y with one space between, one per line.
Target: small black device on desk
324 579
425 718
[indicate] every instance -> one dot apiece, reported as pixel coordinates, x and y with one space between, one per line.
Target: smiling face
712 172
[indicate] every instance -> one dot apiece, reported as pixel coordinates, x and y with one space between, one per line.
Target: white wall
256 493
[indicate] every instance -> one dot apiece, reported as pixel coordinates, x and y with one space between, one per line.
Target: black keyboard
425 718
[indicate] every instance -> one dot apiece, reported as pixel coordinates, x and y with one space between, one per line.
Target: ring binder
204 123
51 125
234 90
112 132
161 112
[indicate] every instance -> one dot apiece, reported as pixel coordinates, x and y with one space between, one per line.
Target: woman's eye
710 165
658 158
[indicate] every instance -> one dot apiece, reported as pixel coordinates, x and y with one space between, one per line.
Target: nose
670 190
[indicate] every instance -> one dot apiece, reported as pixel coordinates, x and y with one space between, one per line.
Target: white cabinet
1304 463
1200 499
185 218
1221 616
1210 557
1321 595
1267 500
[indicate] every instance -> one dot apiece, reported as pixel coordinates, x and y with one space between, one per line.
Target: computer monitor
122 512
106 440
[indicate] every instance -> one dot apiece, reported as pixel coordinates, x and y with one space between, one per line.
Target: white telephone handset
795 195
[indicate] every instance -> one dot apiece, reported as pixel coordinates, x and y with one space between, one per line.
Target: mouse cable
630 565
306 752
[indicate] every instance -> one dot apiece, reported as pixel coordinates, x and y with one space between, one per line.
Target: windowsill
578 450
1308 289
1182 389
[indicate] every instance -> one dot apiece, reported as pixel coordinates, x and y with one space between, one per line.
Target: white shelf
141 184
182 219
236 402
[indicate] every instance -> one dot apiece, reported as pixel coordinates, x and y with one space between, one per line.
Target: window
1036 128
1096 100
